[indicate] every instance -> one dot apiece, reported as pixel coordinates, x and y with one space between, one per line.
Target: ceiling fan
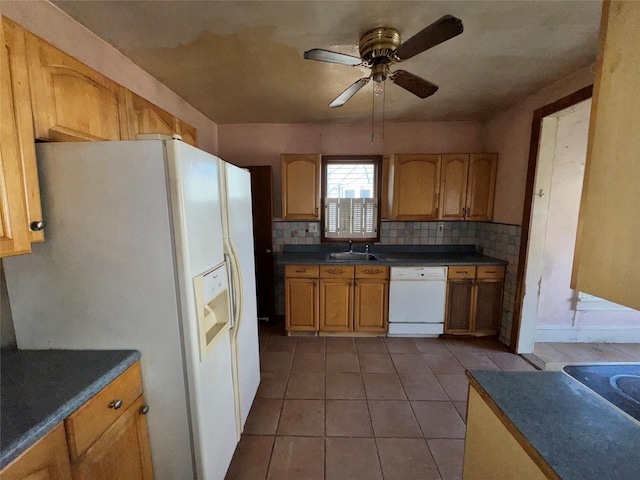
380 48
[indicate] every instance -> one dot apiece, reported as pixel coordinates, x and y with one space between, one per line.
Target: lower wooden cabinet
47 459
474 300
338 299
301 297
105 439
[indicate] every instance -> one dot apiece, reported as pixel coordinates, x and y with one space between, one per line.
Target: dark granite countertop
580 435
390 255
40 388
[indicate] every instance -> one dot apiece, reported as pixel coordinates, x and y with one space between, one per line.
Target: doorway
262 204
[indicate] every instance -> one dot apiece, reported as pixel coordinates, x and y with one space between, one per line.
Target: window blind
351 217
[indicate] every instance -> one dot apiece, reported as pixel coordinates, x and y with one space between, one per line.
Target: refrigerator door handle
236 283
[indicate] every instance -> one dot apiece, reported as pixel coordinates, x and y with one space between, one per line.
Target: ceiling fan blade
436 33
348 93
414 84
331 57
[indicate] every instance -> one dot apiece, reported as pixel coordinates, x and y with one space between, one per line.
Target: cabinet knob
144 409
116 404
36 226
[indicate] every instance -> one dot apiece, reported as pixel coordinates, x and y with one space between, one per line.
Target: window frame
325 160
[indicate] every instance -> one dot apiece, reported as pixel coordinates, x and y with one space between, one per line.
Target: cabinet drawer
301 271
336 271
367 271
91 420
462 271
490 271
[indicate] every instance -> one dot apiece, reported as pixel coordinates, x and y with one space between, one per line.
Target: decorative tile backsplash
494 239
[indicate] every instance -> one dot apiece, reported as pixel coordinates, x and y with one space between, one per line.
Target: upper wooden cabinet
481 186
20 207
453 186
72 102
188 133
414 184
145 117
301 187
467 186
607 257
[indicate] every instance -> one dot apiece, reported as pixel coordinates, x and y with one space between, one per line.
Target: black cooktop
617 383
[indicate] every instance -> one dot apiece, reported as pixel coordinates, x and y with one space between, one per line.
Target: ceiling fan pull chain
384 103
373 109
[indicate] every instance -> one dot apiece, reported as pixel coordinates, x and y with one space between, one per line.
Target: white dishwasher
417 298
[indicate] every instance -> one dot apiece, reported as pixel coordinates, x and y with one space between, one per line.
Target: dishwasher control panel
419 273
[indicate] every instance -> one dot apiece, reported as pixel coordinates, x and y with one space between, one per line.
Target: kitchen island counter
40 388
568 431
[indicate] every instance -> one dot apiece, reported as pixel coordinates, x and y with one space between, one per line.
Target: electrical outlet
294 233
312 227
441 228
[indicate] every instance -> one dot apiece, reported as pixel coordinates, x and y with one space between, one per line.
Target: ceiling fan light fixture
378 88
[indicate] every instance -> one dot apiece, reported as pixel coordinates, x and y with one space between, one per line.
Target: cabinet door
301 304
72 102
47 459
336 305
481 186
371 306
459 306
121 452
416 183
188 133
453 186
14 220
488 306
301 187
607 258
145 117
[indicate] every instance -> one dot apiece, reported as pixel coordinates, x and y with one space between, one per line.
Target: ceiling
241 61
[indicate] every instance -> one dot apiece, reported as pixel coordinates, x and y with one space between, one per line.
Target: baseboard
588 334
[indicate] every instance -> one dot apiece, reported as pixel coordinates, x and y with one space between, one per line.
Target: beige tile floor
554 355
362 408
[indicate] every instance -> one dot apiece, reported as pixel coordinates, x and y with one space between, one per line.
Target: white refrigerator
149 246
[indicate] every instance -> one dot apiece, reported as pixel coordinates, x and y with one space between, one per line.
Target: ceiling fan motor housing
378 45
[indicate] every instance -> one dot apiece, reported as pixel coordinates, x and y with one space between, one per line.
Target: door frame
534 147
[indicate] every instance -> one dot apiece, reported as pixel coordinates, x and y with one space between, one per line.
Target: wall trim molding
588 334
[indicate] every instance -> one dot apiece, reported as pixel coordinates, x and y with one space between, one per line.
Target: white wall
56 27
509 134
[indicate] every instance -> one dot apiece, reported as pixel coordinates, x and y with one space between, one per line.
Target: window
350 187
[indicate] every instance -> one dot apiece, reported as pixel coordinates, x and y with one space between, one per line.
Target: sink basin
345 256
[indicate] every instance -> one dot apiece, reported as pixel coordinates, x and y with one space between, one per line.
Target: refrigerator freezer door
105 277
239 236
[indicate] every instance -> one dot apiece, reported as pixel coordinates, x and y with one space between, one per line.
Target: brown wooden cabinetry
414 182
72 102
47 459
474 300
145 117
371 302
607 258
105 439
301 187
20 208
467 186
336 298
301 297
350 299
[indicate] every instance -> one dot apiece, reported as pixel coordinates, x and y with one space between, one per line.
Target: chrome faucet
350 246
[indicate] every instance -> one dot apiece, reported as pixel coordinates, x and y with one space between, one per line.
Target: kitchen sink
346 256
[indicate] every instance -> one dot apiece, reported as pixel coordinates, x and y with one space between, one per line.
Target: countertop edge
19 446
533 453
